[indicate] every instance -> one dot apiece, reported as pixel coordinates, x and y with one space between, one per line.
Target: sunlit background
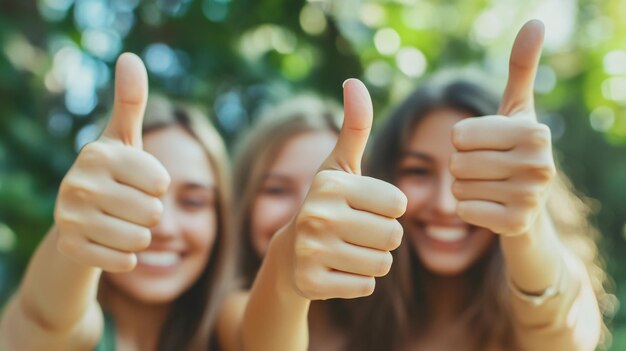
235 57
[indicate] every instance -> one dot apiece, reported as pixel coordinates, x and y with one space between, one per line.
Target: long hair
191 322
399 309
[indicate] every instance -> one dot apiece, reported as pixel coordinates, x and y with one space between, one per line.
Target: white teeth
446 234
158 259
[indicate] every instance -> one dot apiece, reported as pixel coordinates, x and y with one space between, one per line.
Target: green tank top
107 341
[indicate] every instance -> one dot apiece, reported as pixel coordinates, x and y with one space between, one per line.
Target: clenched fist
109 199
344 232
504 164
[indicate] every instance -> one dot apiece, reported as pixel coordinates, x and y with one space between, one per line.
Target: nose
444 202
168 224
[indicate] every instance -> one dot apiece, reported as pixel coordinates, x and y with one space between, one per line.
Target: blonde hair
192 319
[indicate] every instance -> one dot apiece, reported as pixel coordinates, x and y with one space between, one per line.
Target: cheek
269 215
200 231
418 194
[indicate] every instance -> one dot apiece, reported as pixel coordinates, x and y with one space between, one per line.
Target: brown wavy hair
398 309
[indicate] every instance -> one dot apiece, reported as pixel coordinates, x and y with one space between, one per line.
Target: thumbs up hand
109 198
344 232
504 163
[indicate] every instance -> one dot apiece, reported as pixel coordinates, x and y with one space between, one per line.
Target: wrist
534 258
540 236
280 264
539 298
70 263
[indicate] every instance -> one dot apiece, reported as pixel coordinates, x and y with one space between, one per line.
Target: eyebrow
196 185
418 155
277 176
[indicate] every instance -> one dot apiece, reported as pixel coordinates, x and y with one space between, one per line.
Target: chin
149 291
156 297
444 267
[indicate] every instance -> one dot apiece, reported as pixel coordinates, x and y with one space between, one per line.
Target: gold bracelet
549 293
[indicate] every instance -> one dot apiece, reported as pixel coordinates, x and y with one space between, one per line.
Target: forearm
276 316
230 321
536 261
55 296
574 326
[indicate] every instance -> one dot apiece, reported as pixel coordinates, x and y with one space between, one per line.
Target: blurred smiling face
442 241
286 183
183 240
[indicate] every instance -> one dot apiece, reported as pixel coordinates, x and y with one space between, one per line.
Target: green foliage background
234 57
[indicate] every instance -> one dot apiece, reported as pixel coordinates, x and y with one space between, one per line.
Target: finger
498 191
118 234
140 170
354 259
131 94
372 231
96 255
525 55
110 260
486 214
375 196
355 131
131 205
509 193
481 165
346 286
487 133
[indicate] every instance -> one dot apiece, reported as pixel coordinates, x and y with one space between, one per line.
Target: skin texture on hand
504 165
110 197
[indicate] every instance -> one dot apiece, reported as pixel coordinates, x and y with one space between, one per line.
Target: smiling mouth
446 234
161 259
449 237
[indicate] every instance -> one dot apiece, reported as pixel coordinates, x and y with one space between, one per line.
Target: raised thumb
131 94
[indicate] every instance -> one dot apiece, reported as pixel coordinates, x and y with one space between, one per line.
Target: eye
193 202
415 171
275 190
